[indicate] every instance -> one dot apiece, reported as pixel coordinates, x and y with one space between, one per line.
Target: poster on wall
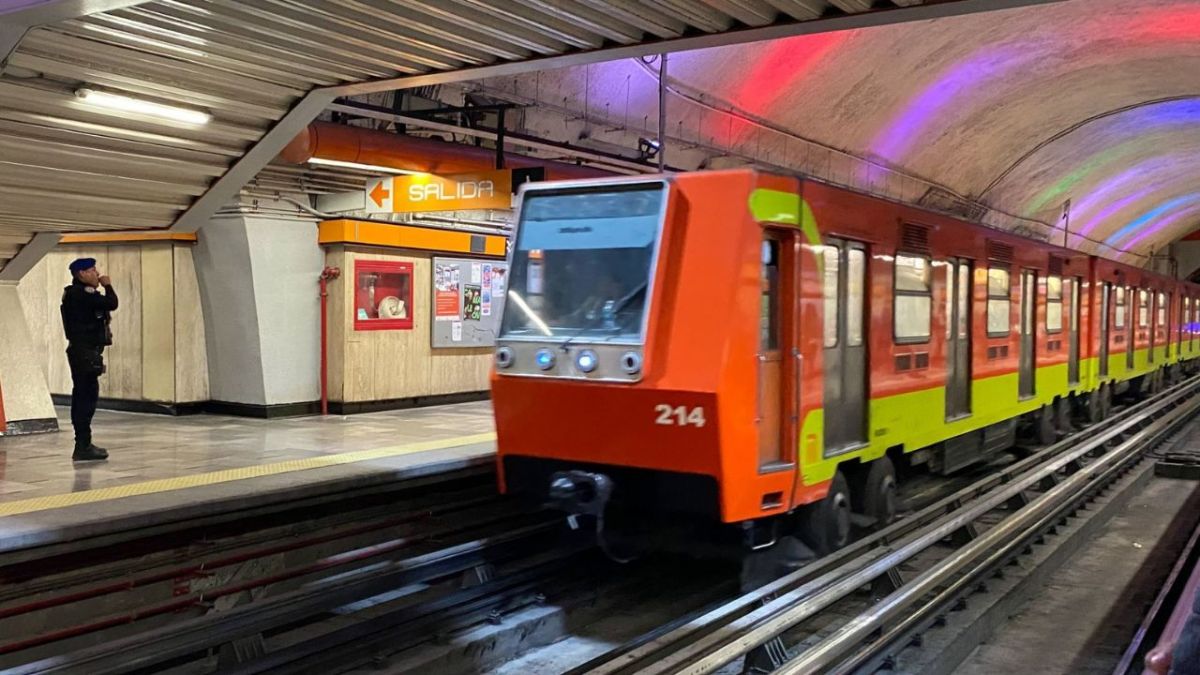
472 303
485 298
468 298
447 296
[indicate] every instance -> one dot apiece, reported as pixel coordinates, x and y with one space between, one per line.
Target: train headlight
545 359
586 361
504 357
631 363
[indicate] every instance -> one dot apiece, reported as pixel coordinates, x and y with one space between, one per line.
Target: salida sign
427 192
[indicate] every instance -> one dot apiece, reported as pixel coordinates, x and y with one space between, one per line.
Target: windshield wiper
617 307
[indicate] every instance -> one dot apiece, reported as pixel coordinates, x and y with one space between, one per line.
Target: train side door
1169 320
1026 386
1179 327
1150 328
1185 318
845 344
1195 319
1131 333
958 338
778 404
1073 333
1105 300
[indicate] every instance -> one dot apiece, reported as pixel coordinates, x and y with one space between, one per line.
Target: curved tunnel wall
1086 86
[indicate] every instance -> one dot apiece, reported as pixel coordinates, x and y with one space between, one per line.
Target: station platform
168 469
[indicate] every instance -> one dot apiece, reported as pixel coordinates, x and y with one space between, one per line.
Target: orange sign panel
427 192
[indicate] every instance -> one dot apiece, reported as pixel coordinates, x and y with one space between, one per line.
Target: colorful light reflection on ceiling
961 101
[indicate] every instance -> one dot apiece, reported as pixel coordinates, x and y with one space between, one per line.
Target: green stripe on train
917 419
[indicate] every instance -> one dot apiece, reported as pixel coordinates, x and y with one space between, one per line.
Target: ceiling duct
940 199
358 145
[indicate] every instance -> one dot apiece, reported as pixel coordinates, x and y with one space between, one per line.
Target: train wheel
1105 401
1047 430
1095 406
1063 414
825 525
879 492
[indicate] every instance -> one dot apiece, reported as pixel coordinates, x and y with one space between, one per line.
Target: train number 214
679 415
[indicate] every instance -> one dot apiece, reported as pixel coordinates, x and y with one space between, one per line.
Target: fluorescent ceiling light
134 105
363 167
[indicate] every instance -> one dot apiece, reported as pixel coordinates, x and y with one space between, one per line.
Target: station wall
386 365
230 323
158 352
26 399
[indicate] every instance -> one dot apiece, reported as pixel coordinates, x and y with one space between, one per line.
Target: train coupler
584 493
580 492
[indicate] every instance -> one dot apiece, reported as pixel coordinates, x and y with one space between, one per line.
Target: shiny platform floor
153 454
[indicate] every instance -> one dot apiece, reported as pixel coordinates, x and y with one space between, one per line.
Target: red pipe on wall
327 274
325 140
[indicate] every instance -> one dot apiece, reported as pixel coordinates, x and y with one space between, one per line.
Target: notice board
468 297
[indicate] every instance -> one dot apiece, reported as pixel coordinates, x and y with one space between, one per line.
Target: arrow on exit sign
379 195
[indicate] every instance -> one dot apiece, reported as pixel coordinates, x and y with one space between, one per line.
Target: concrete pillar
26 398
258 288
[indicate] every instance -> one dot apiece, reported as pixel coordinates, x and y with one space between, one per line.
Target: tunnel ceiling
262 68
1092 101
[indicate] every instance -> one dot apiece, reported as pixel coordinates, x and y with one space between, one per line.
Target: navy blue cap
81 264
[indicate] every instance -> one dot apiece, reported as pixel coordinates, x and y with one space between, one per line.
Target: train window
913 299
768 321
960 291
596 252
832 272
1184 304
1162 309
999 304
856 266
1119 312
964 299
949 267
1054 300
1143 308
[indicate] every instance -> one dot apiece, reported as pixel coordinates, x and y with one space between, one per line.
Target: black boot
89 454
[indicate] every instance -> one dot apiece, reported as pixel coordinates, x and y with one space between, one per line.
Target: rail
1086 461
60 602
191 636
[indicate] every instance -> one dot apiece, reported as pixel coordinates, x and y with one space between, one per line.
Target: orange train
766 351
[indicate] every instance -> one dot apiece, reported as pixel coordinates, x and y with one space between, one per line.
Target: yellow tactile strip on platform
199 480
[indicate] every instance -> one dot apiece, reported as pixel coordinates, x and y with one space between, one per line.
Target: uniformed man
85 314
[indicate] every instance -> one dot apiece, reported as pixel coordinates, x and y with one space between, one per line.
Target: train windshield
583 263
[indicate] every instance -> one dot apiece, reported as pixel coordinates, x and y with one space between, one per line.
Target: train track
331 585
819 619
221 595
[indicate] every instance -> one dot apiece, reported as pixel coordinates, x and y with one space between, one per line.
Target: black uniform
85 315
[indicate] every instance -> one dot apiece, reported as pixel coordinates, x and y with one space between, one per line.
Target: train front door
958 338
844 284
1026 386
778 354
